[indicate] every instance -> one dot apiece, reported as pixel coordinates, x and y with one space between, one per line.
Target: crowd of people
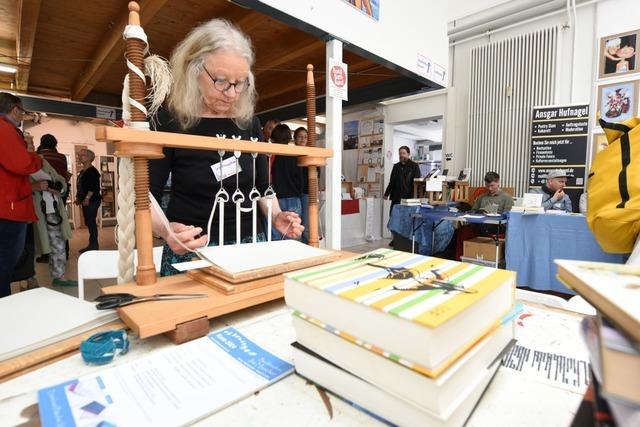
34 189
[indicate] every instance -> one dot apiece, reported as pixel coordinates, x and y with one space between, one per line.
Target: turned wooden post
145 272
313 170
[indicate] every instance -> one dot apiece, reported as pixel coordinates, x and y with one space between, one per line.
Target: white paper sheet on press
251 256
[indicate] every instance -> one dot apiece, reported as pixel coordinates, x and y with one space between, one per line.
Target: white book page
37 317
251 256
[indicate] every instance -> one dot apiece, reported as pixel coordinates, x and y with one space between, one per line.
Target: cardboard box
483 248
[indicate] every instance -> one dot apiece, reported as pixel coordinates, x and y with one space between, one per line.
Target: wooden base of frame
229 288
190 330
157 317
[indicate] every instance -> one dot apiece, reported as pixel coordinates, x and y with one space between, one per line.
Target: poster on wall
618 101
370 8
619 54
559 138
350 135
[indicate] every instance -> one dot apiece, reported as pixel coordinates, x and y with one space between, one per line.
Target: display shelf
108 188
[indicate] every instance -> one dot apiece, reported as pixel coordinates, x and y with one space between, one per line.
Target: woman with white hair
213 94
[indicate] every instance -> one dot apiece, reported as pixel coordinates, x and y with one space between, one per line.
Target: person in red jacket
16 200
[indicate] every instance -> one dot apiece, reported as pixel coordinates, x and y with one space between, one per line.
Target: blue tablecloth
534 241
401 223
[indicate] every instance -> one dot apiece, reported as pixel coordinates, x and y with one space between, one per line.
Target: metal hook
220 135
236 137
253 139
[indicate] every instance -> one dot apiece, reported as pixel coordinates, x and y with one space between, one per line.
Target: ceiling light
6 68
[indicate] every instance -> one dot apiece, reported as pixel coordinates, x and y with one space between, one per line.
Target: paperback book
442 307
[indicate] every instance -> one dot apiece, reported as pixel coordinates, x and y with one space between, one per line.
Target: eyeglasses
224 85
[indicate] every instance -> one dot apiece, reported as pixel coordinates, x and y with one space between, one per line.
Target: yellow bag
613 208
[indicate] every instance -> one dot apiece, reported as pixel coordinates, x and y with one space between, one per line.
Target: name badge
225 169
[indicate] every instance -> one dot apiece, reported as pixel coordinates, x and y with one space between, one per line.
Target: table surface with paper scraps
540 383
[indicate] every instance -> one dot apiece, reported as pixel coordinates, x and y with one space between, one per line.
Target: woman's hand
289 224
187 234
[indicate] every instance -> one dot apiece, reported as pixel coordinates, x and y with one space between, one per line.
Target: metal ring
237 196
269 192
222 195
254 194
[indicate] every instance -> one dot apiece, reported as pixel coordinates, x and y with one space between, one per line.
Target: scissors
116 300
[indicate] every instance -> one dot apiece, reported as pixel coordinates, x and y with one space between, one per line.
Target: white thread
136 32
133 67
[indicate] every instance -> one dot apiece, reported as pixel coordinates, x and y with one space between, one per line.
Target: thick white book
40 317
394 376
172 387
385 405
423 309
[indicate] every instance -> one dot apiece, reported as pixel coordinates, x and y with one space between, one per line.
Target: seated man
553 196
494 196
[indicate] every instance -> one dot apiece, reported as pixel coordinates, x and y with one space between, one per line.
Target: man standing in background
88 196
401 182
16 200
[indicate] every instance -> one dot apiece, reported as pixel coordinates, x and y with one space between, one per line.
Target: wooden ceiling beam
278 58
250 21
28 12
286 86
112 48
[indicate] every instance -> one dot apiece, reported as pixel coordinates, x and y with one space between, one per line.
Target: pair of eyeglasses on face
224 85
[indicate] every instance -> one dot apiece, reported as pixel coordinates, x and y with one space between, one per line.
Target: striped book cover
425 290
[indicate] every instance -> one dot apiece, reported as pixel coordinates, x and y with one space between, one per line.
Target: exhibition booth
337 212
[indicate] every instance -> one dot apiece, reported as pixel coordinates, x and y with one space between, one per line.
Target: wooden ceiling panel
72 38
8 19
67 34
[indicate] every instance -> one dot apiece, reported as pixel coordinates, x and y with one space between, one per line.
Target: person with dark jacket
88 195
287 177
402 175
16 200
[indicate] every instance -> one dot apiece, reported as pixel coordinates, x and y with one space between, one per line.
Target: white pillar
333 134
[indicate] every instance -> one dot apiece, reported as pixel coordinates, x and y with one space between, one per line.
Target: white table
510 400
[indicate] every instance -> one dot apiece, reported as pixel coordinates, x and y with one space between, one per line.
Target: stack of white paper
40 317
252 256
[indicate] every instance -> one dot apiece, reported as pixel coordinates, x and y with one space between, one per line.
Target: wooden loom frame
188 319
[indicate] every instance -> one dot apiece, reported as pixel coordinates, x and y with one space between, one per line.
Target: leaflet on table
173 387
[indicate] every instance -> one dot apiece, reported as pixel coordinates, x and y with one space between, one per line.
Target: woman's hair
281 134
187 62
48 141
297 131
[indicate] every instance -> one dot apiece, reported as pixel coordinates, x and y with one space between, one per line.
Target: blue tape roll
101 348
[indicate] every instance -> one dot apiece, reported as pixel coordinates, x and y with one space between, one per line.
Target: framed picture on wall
618 101
619 54
350 133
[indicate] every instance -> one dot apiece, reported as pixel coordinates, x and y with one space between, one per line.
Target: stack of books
414 340
613 336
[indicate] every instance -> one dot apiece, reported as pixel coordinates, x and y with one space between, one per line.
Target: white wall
575 82
406 27
461 8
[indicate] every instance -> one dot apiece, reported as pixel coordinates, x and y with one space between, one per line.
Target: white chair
104 265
